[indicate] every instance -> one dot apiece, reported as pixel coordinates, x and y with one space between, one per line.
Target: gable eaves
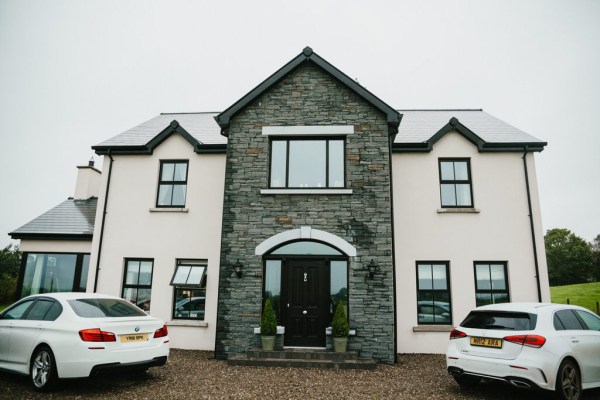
307 55
148 148
454 125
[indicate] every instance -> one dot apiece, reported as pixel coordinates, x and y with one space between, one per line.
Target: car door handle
573 340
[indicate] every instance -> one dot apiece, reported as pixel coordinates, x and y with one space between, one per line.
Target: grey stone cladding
308 96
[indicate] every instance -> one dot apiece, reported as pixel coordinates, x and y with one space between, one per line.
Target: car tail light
456 334
162 332
96 335
536 341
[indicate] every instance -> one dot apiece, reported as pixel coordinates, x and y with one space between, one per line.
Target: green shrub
339 325
8 286
268 322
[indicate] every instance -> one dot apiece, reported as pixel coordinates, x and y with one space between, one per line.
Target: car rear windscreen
512 321
101 308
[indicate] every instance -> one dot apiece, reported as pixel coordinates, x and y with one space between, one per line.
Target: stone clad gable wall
308 96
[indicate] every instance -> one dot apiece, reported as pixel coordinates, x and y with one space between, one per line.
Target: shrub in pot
268 326
339 328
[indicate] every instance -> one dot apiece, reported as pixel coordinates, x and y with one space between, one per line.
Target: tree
569 258
595 245
10 260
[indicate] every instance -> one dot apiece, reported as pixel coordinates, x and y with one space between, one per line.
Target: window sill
328 330
280 330
306 191
458 211
433 328
169 209
186 322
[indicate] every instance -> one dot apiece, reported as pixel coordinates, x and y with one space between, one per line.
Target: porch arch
305 233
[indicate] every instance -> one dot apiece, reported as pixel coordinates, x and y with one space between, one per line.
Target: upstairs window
455 183
172 184
307 163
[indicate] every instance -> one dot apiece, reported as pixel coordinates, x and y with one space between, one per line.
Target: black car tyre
467 380
42 370
568 381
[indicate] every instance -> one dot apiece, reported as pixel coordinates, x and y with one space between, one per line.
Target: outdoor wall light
237 268
372 267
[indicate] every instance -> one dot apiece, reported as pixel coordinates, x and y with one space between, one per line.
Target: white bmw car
530 345
73 335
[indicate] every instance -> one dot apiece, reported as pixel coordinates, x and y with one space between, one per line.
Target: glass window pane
336 163
278 161
196 274
181 274
447 170
39 310
143 299
85 265
591 320
481 299
189 303
178 195
132 274
307 163
439 277
99 308
338 282
482 274
500 298
441 308
448 194
273 285
18 311
168 171
34 270
497 277
307 248
460 171
145 273
165 194
425 277
463 194
130 294
180 172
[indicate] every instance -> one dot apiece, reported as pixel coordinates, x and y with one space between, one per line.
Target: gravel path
195 375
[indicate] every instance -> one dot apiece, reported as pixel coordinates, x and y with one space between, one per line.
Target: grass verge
583 294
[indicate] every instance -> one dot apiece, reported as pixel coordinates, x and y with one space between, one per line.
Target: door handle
304 312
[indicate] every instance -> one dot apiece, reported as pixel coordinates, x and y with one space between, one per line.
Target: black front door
306 303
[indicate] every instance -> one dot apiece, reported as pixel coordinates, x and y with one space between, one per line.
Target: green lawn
584 294
3 306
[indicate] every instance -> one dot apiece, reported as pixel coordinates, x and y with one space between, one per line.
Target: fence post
568 301
598 307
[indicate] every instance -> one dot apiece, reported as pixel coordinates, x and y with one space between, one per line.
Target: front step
302 358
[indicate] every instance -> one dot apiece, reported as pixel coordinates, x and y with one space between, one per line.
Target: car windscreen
101 308
503 320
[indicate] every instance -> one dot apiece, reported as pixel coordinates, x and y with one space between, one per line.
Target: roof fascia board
393 116
51 236
148 148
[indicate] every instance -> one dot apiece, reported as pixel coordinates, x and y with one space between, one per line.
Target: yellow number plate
486 342
134 337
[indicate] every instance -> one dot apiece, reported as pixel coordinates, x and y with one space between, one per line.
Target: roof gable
307 55
422 130
135 147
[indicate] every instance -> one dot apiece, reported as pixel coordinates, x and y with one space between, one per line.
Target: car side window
44 310
567 320
589 319
19 310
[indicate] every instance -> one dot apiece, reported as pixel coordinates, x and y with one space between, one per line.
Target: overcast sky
75 73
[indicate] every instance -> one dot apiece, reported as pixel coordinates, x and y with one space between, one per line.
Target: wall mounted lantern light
237 268
372 267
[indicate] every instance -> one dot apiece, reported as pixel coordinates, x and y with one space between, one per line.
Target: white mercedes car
73 335
530 345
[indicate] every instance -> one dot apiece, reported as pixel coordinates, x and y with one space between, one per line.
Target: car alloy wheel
43 369
568 382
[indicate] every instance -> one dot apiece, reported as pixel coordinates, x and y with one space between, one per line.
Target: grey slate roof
201 126
420 125
417 126
71 219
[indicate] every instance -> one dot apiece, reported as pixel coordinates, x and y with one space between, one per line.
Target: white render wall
499 232
134 230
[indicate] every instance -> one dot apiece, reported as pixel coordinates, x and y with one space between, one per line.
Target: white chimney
88 181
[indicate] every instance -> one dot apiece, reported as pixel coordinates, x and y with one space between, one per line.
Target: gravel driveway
195 375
